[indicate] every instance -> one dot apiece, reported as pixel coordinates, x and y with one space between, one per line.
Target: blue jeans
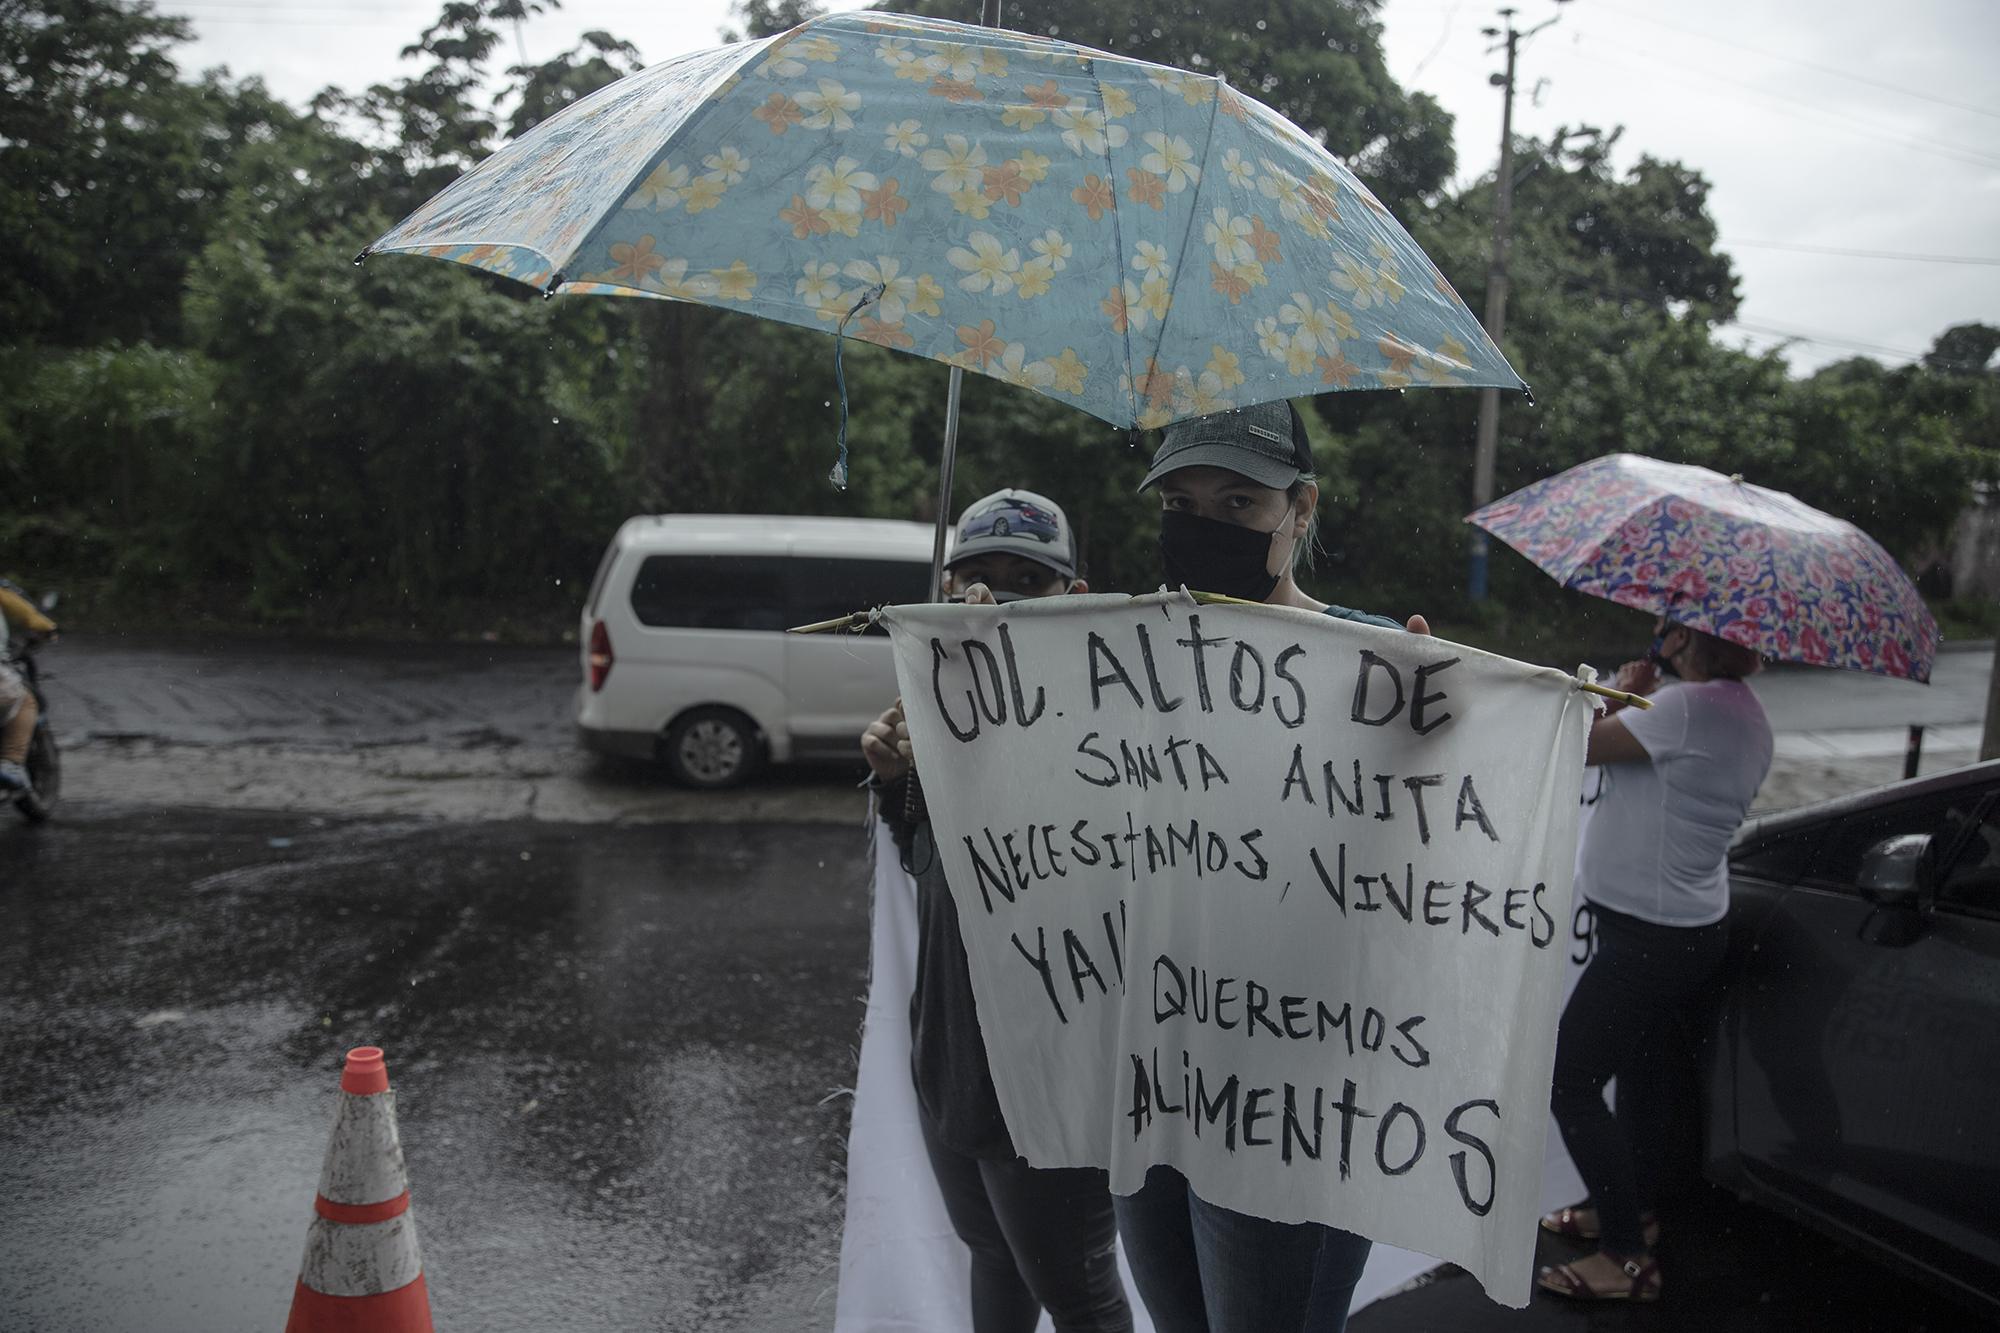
1204 1269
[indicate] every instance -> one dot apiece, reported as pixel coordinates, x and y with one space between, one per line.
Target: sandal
1569 1224
1564 1280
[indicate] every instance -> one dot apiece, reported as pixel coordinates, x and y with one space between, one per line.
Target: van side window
833 586
711 592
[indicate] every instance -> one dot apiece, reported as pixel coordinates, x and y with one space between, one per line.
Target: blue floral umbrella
1139 242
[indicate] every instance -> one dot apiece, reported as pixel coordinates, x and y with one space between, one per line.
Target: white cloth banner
901 1268
1271 897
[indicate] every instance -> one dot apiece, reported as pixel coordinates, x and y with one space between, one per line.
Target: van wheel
713 747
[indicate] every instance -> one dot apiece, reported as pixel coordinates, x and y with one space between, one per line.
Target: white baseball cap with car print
1016 522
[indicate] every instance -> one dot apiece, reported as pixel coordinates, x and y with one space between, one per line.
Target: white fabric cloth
901 1267
1655 837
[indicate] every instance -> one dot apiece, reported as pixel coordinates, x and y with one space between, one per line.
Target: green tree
1615 285
110 167
395 433
540 91
1964 349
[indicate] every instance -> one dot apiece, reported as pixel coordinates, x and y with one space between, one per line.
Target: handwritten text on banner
1271 897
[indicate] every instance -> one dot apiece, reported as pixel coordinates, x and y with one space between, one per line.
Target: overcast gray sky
1824 125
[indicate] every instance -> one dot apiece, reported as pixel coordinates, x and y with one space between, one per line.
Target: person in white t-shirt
1669 789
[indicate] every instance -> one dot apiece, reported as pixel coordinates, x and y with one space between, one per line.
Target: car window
1844 842
1780 858
711 592
1972 880
833 586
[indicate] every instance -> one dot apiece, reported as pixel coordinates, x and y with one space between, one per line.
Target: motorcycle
44 763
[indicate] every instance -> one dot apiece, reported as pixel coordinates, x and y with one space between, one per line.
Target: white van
685 658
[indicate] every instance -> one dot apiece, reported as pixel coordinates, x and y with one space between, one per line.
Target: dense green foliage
207 409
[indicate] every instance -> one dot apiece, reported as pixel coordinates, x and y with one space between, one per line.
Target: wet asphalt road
252 691
617 1055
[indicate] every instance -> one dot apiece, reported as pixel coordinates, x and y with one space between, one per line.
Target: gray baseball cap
1265 442
1017 522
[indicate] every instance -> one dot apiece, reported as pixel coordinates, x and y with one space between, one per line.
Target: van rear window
767 592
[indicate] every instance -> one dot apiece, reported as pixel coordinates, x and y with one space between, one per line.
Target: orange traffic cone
362 1271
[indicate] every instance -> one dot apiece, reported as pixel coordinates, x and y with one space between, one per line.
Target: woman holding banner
1238 514
1039 1238
1652 859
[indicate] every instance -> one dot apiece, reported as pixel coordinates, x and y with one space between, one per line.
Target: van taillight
600 656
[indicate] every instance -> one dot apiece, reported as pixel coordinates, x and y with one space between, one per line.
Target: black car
1012 515
1854 1079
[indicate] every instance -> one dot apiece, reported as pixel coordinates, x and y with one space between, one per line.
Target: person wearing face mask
1238 505
1040 1239
1674 783
1239 508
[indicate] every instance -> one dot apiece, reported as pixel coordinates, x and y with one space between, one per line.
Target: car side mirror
1895 872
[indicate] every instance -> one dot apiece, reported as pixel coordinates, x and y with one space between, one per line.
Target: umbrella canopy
1139 242
1749 565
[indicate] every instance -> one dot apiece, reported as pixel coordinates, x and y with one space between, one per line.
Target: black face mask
1208 555
1657 655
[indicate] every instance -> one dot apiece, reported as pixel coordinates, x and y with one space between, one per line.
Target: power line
1444 36
1800 108
1861 254
1825 339
1807 64
202 20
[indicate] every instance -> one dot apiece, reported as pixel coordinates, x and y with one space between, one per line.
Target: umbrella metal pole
945 466
989 17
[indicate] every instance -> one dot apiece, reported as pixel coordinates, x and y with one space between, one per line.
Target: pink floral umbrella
1750 565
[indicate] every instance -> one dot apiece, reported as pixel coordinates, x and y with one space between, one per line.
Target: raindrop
1261 25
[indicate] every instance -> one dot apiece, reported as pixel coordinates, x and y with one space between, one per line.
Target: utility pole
1989 744
1488 439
